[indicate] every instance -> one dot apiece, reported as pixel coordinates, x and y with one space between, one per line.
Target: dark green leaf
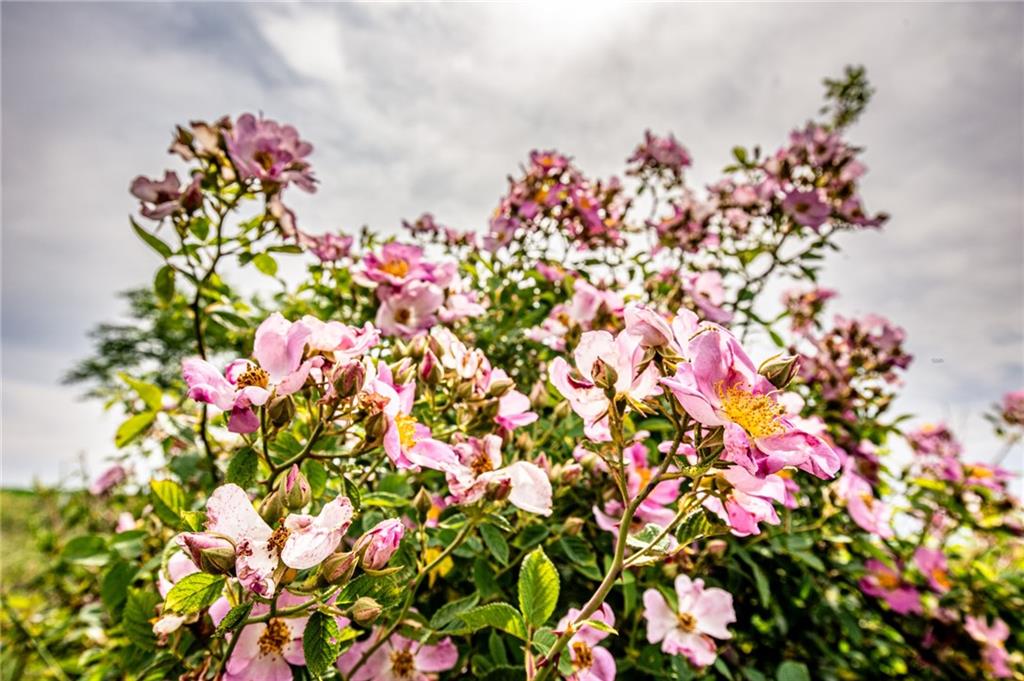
139 609
320 643
155 243
243 467
791 670
163 283
235 616
193 593
496 543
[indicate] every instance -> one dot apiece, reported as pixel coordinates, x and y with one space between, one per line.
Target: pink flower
993 638
1013 407
932 564
279 347
871 514
601 356
721 387
657 508
407 442
588 300
409 310
884 582
807 208
399 659
749 501
380 543
301 542
651 327
109 479
343 343
589 662
708 294
688 630
330 247
478 467
165 197
396 265
264 150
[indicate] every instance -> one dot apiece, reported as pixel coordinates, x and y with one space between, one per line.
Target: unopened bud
349 379
417 347
570 473
716 547
500 386
281 412
498 489
338 567
208 553
294 489
218 560
376 426
604 376
422 502
272 509
365 610
572 526
404 371
430 368
779 370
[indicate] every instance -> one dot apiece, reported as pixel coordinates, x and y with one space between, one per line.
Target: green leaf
498 615
578 550
139 609
791 670
133 427
163 283
155 243
200 226
384 500
599 625
147 392
243 467
87 550
763 588
265 264
538 587
235 616
645 538
320 643
449 612
193 593
316 476
496 543
168 501
114 589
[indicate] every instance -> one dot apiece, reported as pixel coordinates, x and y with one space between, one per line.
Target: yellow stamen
941 578
402 664
756 414
399 267
274 637
406 430
582 657
686 622
253 376
887 580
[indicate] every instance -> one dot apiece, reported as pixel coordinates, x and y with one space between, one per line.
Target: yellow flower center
253 376
278 538
274 637
582 657
406 430
887 580
756 414
686 622
481 463
941 578
979 472
402 664
399 267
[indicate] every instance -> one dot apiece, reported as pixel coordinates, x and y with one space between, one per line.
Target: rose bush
583 444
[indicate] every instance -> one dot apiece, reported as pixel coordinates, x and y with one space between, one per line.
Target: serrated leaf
163 283
133 427
139 609
235 616
495 542
242 468
791 670
577 550
498 615
645 538
320 643
193 593
538 587
316 476
147 392
449 612
152 241
168 501
265 264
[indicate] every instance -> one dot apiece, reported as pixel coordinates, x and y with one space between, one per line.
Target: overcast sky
415 108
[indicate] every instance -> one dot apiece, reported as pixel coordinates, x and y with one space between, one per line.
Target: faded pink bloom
165 197
399 659
479 467
884 582
330 247
708 294
807 208
380 543
721 387
407 311
109 479
312 538
341 342
749 500
701 614
588 301
932 564
1013 407
589 662
264 150
993 639
657 508
872 514
603 357
651 327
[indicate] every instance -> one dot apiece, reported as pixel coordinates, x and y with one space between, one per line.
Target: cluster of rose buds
804 306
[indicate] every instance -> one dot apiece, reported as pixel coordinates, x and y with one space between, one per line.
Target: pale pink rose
701 614
479 466
399 658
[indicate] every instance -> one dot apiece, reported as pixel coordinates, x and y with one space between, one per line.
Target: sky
417 108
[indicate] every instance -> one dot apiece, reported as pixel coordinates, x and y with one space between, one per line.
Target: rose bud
209 553
572 526
365 610
779 370
272 509
349 379
281 412
498 489
338 567
422 502
380 543
376 426
570 473
430 369
294 489
500 386
604 376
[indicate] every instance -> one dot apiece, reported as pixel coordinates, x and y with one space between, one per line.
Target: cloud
429 107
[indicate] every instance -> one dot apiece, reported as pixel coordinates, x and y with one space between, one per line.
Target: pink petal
660 618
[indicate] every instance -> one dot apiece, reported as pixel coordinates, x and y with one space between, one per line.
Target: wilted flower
109 479
479 466
589 662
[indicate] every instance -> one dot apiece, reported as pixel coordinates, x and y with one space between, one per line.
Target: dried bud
604 376
272 509
500 386
338 567
281 412
349 379
779 370
376 426
570 473
365 610
294 489
572 526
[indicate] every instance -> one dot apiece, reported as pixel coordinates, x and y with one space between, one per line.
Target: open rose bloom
700 616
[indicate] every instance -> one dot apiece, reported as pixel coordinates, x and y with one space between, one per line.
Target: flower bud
376 426
572 526
422 502
272 509
417 346
779 370
430 369
570 473
281 412
604 376
338 567
349 379
380 543
294 489
498 489
209 553
500 386
365 610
